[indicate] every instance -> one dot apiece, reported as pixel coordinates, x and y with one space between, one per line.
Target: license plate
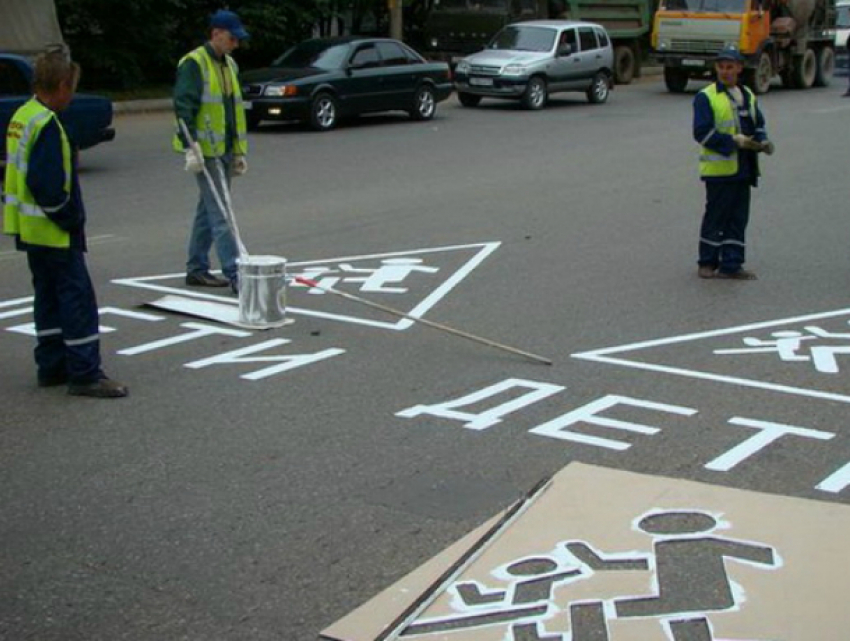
691 62
481 82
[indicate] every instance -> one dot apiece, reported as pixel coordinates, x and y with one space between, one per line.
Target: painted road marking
668 560
820 348
376 274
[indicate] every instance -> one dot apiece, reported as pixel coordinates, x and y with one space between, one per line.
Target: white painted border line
602 356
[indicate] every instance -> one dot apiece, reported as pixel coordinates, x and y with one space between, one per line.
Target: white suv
531 60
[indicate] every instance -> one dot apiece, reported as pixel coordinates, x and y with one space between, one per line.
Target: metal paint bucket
262 291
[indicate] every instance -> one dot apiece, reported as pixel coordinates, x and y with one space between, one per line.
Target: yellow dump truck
792 39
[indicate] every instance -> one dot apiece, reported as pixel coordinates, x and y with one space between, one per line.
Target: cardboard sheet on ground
605 555
219 312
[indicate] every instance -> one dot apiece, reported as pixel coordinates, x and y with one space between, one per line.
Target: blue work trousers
722 242
210 225
66 317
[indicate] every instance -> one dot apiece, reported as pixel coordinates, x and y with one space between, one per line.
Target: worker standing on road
731 130
44 212
207 98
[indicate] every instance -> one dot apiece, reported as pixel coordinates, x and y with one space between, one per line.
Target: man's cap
222 19
730 53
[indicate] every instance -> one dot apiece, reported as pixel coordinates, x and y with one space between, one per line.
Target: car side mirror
565 50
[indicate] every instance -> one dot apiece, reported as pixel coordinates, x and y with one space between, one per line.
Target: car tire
536 94
599 89
468 99
324 112
252 122
424 104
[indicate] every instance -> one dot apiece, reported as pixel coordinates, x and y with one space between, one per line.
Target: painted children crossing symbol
788 343
378 279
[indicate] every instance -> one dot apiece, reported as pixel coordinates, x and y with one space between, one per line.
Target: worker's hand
768 147
194 159
745 142
239 167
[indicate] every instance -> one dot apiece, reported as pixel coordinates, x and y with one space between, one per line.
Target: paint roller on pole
262 279
313 284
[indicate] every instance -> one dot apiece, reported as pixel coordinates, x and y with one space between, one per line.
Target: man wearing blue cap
208 99
731 131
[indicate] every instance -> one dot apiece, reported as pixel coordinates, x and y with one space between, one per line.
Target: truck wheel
675 79
624 65
468 99
805 70
758 79
825 67
599 89
536 94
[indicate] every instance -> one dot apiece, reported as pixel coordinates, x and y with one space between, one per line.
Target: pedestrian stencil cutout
604 555
688 565
413 280
805 355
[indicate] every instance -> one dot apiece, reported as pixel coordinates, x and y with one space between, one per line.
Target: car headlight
462 67
281 90
513 70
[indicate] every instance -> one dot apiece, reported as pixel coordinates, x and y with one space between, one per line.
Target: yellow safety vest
711 163
210 124
21 214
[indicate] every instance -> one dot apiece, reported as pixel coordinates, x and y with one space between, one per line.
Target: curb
142 106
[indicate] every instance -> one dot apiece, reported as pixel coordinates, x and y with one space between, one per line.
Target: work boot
103 388
706 271
741 274
52 380
205 279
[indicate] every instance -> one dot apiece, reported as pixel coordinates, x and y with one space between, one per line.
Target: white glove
194 159
768 147
745 142
239 166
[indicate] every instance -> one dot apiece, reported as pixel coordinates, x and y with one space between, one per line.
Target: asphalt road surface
263 484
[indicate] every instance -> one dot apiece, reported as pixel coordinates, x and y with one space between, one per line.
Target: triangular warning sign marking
661 355
352 271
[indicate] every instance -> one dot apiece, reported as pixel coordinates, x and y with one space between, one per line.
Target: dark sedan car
321 80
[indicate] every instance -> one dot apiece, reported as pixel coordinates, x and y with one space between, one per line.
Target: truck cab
456 28
789 38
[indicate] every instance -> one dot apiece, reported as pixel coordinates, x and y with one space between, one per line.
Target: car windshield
522 38
842 18
314 53
707 6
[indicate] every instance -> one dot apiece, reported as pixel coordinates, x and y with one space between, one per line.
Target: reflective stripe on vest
726 121
210 124
22 216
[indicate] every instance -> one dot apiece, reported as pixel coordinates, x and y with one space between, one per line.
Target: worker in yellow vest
208 99
43 210
730 129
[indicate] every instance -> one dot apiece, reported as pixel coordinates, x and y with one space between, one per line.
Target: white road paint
606 355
